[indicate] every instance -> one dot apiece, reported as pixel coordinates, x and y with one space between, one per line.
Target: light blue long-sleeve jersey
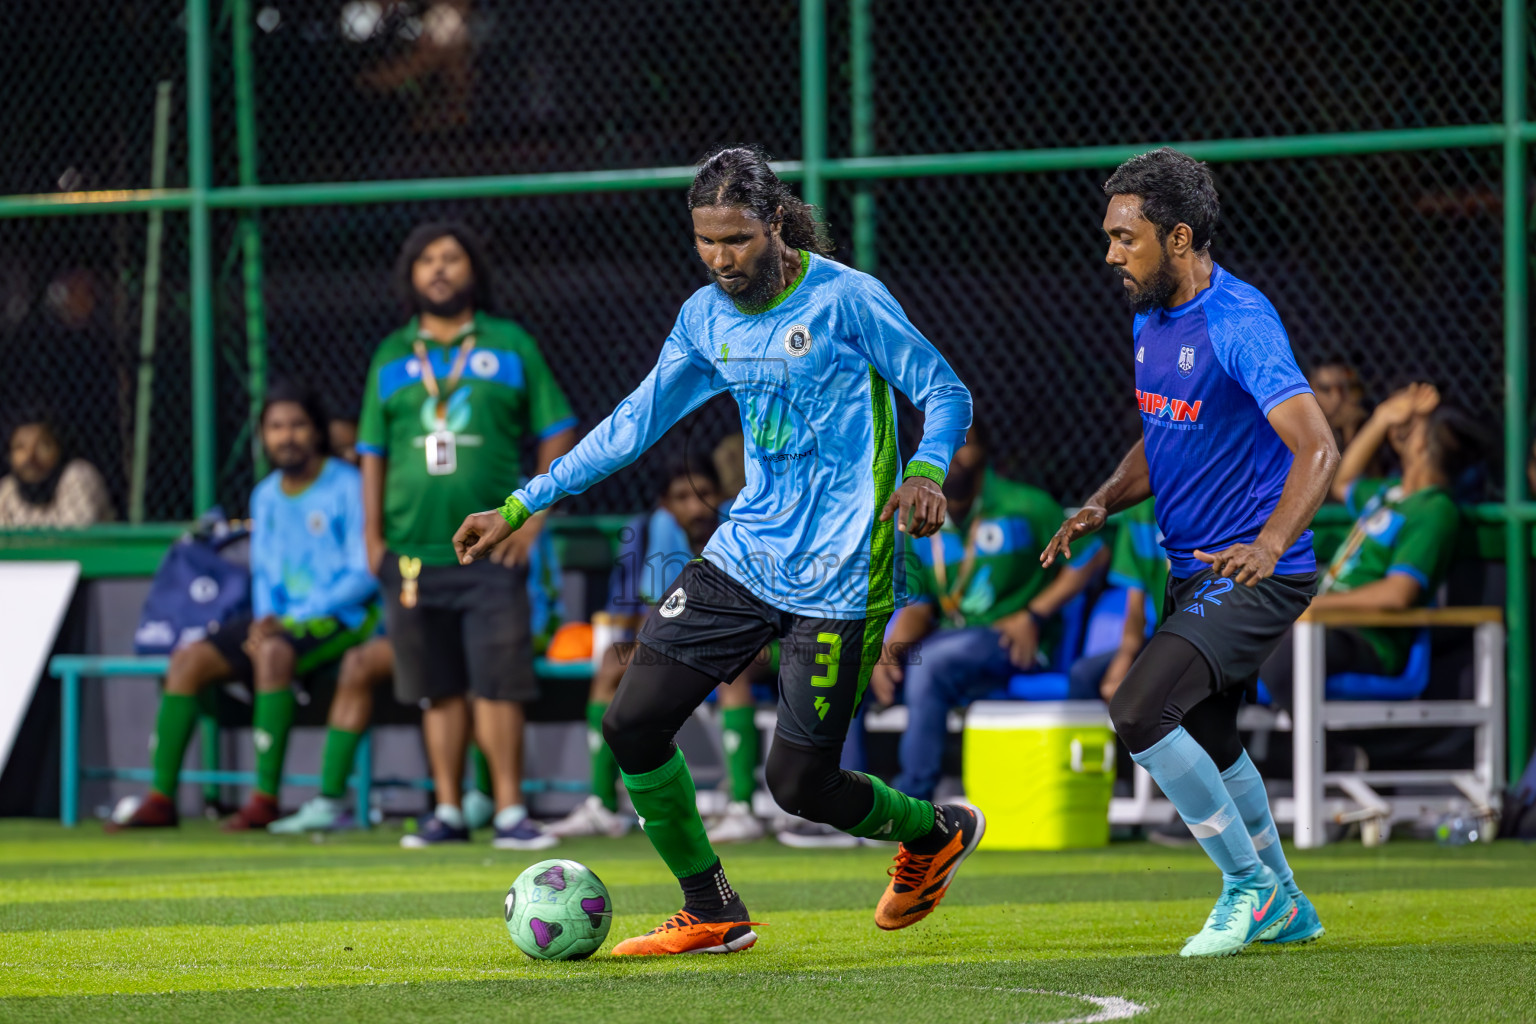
812 375
308 560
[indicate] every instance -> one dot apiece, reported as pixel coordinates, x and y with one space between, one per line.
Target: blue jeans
1085 675
954 667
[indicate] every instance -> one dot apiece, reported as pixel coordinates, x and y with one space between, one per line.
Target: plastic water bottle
1458 827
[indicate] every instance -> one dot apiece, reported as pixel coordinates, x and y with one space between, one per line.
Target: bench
71 669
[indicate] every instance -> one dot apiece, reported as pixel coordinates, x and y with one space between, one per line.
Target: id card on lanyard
441 445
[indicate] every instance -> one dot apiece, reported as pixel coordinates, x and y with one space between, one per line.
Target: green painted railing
1512 135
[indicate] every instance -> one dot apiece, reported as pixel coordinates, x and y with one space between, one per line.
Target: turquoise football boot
1301 925
1246 913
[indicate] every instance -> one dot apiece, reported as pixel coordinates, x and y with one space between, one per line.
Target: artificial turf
200 926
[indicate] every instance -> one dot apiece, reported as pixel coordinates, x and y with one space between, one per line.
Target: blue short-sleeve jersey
1207 375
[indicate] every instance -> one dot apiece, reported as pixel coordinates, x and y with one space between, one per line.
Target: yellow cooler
1041 772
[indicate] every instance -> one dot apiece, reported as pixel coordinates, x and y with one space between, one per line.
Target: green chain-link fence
1371 157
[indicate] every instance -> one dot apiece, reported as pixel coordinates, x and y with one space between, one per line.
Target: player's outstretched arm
1130 484
1302 426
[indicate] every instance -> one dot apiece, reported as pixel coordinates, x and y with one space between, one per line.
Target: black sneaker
432 831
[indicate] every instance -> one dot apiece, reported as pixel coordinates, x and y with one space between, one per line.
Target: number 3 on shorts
829 658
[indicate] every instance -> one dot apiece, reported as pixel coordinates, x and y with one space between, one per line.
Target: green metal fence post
1516 387
813 98
200 238
862 116
250 230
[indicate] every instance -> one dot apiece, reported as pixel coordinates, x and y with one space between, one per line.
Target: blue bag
200 583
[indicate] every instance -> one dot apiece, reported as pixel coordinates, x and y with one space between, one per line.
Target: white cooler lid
1012 715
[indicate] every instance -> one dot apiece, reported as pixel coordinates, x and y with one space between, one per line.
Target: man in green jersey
1400 548
984 606
449 399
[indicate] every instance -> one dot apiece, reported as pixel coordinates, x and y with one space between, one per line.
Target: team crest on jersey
989 538
484 364
673 606
316 522
797 340
1186 360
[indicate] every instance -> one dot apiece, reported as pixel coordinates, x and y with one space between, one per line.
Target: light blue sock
1247 791
1188 777
508 817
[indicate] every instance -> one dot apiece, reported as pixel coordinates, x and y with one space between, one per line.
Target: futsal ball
558 910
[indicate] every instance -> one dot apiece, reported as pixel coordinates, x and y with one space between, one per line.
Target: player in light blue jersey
1239 456
812 351
312 599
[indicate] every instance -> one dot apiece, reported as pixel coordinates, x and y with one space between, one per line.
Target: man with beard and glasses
1239 457
312 600
810 351
449 399
46 487
984 606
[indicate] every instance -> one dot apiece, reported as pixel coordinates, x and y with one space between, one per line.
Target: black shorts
315 642
468 632
1236 627
713 624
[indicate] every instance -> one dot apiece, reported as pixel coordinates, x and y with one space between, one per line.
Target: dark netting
1391 260
71 302
80 96
443 88
597 279
980 76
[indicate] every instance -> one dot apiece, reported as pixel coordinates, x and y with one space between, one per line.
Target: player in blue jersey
312 600
810 350
1239 456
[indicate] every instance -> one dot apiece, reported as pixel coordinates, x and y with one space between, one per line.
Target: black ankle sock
708 893
945 824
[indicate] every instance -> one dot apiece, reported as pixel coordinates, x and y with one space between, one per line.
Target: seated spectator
984 607
312 599
1140 565
1341 397
658 545
46 487
343 436
1400 548
366 667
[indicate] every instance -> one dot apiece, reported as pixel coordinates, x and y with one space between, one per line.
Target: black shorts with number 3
712 623
1235 626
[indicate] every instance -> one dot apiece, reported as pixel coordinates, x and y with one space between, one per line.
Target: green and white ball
558 910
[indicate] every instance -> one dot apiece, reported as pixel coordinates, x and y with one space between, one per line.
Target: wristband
925 469
1038 619
514 512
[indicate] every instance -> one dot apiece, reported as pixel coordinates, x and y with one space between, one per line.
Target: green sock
168 744
738 735
605 770
667 805
273 719
336 762
482 770
895 816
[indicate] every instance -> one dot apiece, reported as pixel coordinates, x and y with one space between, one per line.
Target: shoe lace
1225 909
910 868
681 919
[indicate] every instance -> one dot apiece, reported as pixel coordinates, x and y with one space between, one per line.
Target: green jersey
1394 534
1139 561
453 454
990 564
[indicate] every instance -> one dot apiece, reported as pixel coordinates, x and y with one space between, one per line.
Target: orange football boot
684 932
920 880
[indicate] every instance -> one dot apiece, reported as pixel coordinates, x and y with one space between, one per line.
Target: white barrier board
33 599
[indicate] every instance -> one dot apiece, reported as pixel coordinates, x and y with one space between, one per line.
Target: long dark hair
424 235
739 176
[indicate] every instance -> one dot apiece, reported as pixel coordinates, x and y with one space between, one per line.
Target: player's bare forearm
373 509
1130 483
1301 425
